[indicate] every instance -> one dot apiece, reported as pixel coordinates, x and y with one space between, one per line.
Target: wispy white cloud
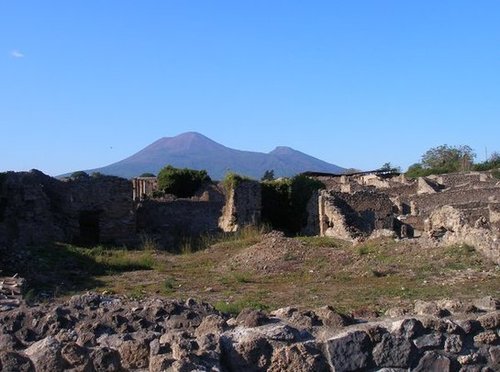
16 54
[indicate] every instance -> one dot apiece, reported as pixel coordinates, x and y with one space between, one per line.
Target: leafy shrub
182 183
492 163
443 159
452 158
268 175
158 194
78 175
276 207
232 180
169 284
284 202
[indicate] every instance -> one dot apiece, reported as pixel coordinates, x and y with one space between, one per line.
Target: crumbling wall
449 226
357 214
31 208
243 206
170 222
494 216
331 219
313 225
103 202
427 203
365 204
460 179
37 208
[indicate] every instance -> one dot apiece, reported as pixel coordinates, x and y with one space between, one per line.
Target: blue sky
356 83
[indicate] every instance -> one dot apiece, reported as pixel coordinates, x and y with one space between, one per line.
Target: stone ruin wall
243 206
156 334
37 209
347 216
169 222
27 208
407 207
212 210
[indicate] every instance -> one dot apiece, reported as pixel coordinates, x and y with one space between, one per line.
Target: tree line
449 159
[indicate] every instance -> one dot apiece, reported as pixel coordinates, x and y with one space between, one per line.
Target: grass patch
321 241
149 244
118 260
245 237
242 238
242 277
461 257
235 307
368 249
169 285
58 269
377 274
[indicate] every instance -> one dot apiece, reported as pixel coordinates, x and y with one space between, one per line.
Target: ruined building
463 207
460 207
36 208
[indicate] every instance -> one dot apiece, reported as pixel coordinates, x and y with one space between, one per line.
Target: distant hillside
193 150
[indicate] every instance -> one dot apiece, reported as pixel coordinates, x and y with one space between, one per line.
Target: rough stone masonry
93 332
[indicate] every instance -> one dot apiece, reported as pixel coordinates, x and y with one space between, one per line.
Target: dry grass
304 271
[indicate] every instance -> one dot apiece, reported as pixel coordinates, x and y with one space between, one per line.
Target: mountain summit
194 150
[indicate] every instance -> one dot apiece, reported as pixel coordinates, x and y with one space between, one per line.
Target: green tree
284 202
147 174
493 162
182 183
388 167
445 159
78 175
268 175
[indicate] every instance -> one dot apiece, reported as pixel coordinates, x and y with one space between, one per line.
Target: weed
321 241
364 250
232 180
234 308
242 277
137 293
460 251
187 246
169 284
30 295
149 244
119 260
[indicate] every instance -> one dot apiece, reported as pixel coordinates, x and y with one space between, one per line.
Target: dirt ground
278 271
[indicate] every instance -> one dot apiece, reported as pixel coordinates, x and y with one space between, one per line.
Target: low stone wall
428 202
157 334
449 225
168 222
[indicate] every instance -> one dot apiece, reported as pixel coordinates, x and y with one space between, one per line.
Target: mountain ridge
195 150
